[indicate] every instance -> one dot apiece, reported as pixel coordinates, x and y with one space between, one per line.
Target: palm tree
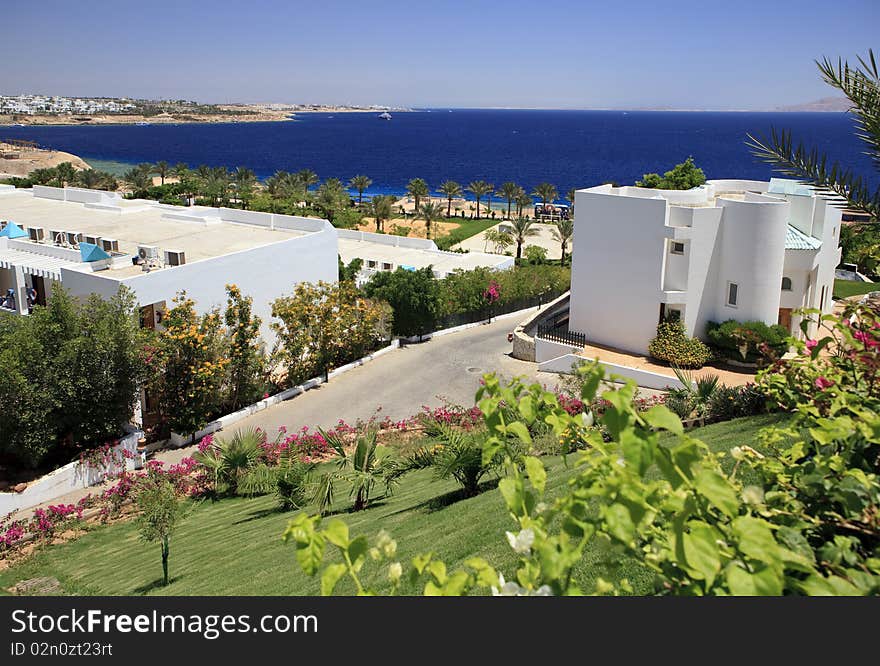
180 171
522 229
450 189
216 185
380 208
230 461
509 191
330 197
489 198
570 199
139 177
430 211
89 178
244 181
563 232
417 188
522 200
306 178
360 183
479 188
275 186
501 240
861 86
546 192
66 173
161 169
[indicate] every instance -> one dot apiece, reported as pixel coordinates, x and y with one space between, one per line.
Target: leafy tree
563 232
160 512
430 212
194 366
451 190
330 197
417 188
861 86
536 255
139 177
546 192
325 325
412 295
522 230
349 273
683 176
509 191
361 184
247 363
161 169
381 210
479 188
244 180
66 173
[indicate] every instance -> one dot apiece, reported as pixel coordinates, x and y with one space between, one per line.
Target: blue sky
556 53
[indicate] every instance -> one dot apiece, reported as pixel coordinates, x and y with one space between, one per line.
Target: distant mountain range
824 104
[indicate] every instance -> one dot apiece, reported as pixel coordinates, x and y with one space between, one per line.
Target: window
371 263
786 284
676 248
386 266
732 289
673 314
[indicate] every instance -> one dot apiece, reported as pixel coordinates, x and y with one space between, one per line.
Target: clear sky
748 54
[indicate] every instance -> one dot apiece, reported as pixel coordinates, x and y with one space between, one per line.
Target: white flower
395 571
587 418
511 589
522 542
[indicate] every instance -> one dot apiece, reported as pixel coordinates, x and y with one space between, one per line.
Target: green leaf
419 562
332 574
619 522
527 409
438 570
637 451
756 539
718 491
765 581
536 472
703 560
486 574
511 491
357 549
519 429
662 418
336 533
310 553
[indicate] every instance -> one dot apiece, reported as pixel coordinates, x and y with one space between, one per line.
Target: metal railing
562 335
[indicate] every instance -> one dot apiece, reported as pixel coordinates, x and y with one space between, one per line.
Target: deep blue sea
567 148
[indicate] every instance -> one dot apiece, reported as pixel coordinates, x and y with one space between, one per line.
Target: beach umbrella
90 252
12 230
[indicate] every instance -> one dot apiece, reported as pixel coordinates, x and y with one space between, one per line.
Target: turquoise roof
12 230
787 186
798 240
90 252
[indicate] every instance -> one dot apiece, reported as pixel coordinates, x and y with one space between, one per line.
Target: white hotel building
196 249
730 249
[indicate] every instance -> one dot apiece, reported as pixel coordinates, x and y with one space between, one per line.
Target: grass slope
233 547
846 288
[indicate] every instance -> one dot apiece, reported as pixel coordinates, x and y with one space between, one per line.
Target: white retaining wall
72 476
653 380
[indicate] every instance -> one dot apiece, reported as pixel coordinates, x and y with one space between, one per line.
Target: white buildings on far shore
730 249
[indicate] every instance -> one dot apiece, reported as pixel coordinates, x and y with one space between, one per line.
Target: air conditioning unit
58 237
109 244
174 258
37 234
3 224
74 238
94 240
148 252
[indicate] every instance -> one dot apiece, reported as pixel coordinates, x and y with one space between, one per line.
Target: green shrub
744 340
730 402
673 345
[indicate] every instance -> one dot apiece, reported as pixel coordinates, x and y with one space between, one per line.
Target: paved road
404 380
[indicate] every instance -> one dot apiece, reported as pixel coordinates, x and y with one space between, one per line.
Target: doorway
785 318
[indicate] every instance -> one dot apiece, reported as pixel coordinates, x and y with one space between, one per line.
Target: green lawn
465 229
233 547
845 288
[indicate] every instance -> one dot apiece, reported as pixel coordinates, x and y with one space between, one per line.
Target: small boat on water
385 116
142 124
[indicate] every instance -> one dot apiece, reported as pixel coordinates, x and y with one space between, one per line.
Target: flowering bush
746 340
673 345
105 458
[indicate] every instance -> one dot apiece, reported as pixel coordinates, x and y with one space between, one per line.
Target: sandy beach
17 161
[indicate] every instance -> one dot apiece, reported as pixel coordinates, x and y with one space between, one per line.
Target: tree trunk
519 249
165 560
478 208
562 260
449 207
508 209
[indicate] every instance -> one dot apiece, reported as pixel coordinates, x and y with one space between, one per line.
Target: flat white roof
442 262
134 223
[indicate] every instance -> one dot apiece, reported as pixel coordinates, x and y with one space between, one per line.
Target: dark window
677 248
732 288
786 284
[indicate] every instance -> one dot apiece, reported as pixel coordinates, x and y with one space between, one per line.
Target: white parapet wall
644 378
73 476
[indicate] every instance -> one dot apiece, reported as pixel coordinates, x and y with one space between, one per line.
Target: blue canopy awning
90 252
12 230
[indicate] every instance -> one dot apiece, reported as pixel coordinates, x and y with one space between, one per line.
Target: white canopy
34 264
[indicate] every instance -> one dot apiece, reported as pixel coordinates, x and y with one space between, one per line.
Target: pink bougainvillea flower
823 383
811 344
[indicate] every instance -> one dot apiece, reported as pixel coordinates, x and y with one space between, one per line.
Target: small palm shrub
673 345
229 462
458 455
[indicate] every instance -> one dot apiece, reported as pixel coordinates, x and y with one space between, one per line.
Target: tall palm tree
522 200
509 191
66 173
479 188
450 189
161 169
546 192
563 232
501 240
861 86
522 229
430 212
489 198
244 181
570 199
381 208
307 178
180 171
360 183
138 177
330 197
275 186
417 188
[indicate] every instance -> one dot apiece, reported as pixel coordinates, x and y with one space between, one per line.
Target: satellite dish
142 253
